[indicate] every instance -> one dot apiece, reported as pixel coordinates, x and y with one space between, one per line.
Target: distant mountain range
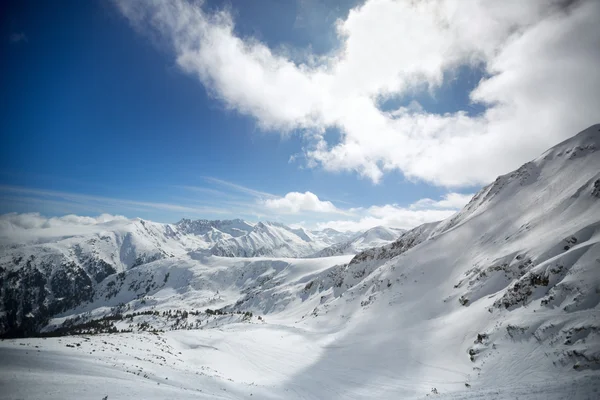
374 237
47 270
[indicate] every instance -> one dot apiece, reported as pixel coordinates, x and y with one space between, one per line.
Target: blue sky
102 112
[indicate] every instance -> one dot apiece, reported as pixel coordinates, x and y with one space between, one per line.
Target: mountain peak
560 170
584 142
233 227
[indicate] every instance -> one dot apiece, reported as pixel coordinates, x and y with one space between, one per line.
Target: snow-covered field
500 301
267 361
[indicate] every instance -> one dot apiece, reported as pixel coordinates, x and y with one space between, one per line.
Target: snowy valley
501 300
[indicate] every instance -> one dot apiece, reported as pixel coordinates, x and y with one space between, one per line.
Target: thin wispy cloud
239 188
99 201
28 202
333 199
204 190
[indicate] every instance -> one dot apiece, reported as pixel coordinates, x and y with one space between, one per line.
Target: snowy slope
502 300
251 360
374 237
503 295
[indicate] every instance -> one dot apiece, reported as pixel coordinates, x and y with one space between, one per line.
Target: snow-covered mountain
502 300
47 269
269 239
213 230
374 237
331 236
55 268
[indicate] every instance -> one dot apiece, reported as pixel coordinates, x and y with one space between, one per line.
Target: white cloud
393 215
32 226
295 202
21 228
37 221
452 201
390 215
541 57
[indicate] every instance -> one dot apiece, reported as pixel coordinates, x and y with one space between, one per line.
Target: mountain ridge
375 237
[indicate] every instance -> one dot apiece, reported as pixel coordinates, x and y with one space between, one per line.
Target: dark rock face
70 285
33 290
596 189
145 258
23 293
99 269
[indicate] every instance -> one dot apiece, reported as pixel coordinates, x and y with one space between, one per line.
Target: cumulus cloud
295 202
20 228
38 221
393 215
390 215
540 60
450 201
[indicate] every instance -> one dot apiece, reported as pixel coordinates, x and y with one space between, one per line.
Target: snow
234 228
331 236
374 237
269 238
122 241
247 361
500 301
